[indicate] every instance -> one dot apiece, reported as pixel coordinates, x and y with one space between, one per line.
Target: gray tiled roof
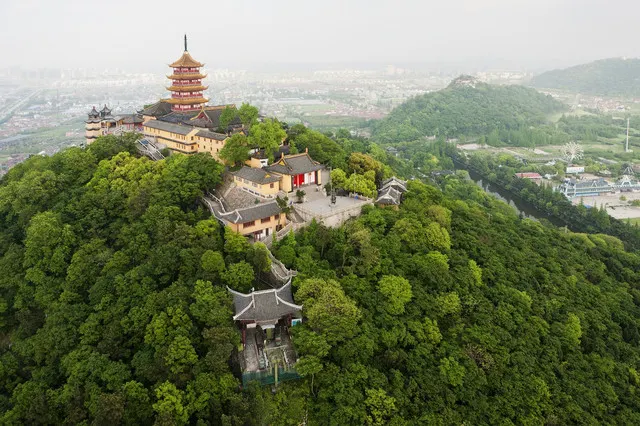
214 116
129 118
295 165
282 150
394 182
248 214
389 195
211 135
169 127
256 175
180 117
212 120
265 305
158 109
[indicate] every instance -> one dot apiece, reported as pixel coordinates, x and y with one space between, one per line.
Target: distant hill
466 107
607 77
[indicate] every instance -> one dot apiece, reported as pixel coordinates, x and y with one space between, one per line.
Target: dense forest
607 77
466 109
449 310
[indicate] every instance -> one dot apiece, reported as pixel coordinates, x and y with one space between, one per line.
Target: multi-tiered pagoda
186 83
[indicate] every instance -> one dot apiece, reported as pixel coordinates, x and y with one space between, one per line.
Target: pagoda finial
185 42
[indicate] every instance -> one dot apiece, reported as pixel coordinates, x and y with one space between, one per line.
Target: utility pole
626 149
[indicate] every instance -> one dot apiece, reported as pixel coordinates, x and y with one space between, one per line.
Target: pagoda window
265 220
249 224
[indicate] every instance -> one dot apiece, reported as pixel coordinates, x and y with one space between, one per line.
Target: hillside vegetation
607 77
466 108
449 310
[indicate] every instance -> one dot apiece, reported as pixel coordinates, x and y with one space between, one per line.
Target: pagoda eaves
186 61
188 101
194 88
186 76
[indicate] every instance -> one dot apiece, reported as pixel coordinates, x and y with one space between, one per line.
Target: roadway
7 112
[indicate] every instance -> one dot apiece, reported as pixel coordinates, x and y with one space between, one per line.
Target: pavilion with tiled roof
390 193
265 307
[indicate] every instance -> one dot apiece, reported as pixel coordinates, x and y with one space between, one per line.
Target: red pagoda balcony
186 70
194 82
186 95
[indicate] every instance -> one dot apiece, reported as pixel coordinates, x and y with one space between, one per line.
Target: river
520 206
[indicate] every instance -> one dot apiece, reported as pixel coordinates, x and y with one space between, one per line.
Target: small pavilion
265 317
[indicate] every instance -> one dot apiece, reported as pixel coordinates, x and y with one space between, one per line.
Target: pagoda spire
185 42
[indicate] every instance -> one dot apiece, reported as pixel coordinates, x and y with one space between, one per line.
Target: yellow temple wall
184 144
271 223
266 190
254 162
285 183
210 146
92 129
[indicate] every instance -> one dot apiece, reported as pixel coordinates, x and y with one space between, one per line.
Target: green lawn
334 122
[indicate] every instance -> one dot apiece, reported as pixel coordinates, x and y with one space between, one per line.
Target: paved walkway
251 351
323 207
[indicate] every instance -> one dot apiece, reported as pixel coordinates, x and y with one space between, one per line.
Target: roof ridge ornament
185 43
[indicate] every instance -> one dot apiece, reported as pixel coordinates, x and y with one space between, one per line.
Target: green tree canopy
267 135
248 114
235 150
396 292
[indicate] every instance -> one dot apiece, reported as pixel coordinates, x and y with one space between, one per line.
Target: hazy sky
141 35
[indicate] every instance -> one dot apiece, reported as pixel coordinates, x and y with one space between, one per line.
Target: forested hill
448 310
465 107
607 77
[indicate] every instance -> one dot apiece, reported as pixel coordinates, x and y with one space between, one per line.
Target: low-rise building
574 169
264 318
297 171
536 177
257 221
258 181
185 139
288 173
102 123
575 188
